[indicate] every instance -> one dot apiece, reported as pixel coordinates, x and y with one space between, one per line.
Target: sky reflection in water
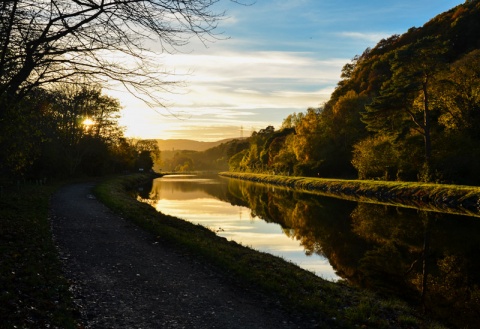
237 223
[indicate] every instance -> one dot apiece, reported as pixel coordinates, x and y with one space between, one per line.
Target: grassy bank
457 199
333 304
33 293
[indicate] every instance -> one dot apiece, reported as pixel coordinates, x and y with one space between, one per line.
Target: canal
430 259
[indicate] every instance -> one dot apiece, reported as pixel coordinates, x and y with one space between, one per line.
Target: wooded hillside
407 109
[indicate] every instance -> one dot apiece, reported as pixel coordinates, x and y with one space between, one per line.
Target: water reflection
199 200
428 258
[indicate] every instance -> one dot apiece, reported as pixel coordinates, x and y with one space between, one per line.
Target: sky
273 58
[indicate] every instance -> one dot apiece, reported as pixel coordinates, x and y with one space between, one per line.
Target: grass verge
33 293
455 199
333 304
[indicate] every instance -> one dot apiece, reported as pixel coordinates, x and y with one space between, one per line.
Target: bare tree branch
49 41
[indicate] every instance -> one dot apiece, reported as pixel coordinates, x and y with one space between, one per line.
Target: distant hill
187 144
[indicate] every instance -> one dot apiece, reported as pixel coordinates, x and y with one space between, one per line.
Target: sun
88 122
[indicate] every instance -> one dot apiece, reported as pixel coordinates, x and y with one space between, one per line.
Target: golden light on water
237 224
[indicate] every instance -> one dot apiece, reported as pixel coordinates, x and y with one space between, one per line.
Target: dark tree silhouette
48 41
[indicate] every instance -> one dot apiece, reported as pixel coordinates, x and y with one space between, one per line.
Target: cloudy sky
281 57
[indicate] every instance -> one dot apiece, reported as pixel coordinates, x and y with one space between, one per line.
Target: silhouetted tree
49 41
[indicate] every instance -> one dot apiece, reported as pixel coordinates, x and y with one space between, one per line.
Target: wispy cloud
283 57
245 88
370 37
236 77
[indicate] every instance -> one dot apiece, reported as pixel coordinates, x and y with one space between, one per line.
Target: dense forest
407 109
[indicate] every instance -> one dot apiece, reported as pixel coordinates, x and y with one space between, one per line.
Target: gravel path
122 277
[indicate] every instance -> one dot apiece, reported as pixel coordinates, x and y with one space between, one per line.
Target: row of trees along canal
407 109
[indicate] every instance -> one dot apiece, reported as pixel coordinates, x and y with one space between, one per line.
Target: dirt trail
122 278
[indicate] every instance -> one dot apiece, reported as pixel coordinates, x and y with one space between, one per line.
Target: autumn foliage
406 109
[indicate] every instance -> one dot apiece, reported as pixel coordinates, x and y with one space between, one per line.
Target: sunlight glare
88 122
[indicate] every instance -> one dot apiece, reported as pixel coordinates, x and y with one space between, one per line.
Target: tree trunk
426 123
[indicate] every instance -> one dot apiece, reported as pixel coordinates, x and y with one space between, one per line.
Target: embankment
457 199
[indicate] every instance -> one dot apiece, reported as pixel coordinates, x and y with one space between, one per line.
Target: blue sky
281 57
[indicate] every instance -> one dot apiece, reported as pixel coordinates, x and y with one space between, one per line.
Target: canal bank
455 199
297 291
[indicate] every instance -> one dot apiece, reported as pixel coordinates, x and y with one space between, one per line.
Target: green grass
33 293
455 199
300 291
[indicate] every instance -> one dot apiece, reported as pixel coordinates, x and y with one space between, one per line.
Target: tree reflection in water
429 259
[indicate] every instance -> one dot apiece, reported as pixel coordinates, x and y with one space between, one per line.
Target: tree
457 155
346 119
183 162
405 100
19 139
144 161
101 113
86 123
44 135
459 95
148 153
235 162
292 120
49 41
45 44
282 157
306 141
374 157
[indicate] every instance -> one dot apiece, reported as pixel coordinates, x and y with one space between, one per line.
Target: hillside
407 109
187 144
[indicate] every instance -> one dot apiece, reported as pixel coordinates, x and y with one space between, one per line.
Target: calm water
197 199
430 259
